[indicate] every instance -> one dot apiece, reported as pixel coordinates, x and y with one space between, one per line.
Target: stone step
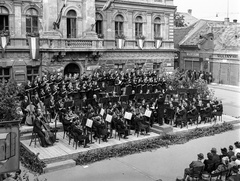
51 167
155 130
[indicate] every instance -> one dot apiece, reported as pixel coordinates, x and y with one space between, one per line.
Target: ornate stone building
127 34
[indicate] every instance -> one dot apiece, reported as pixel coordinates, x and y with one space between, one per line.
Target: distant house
189 19
211 46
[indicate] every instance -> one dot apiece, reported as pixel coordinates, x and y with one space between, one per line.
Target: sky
210 9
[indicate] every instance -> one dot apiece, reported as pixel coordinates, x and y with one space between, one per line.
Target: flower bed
31 161
151 144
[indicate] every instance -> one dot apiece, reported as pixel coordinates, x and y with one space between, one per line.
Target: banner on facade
34 47
3 43
120 43
158 43
140 43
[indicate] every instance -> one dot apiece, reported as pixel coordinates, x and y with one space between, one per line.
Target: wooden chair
34 138
220 175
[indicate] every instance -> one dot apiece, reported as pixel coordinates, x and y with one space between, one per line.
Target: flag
34 47
3 43
120 43
140 43
158 43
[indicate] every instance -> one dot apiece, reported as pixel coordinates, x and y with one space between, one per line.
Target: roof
224 35
188 18
180 33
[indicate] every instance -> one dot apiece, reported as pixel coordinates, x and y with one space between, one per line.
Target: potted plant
140 41
100 36
120 40
158 41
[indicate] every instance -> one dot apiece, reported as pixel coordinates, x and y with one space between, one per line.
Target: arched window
99 21
119 25
157 27
138 26
4 23
71 24
32 21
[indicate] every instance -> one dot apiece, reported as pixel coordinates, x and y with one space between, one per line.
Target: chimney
226 20
190 11
235 20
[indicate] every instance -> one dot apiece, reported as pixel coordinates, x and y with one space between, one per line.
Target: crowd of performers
76 99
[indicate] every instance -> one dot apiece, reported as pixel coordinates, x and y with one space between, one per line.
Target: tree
9 101
178 20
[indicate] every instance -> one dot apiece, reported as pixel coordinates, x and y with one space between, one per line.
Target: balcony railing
80 44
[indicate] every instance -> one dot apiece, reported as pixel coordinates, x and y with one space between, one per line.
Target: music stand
89 124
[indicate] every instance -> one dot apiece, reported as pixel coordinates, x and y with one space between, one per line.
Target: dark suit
194 164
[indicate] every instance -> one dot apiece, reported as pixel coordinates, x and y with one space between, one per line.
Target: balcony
21 44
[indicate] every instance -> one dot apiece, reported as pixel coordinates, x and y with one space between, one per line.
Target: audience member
216 157
237 147
224 153
233 161
194 164
235 176
223 166
209 163
230 151
238 159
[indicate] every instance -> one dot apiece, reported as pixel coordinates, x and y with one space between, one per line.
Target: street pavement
163 163
230 96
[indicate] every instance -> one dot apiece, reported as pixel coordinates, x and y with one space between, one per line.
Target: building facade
211 46
128 34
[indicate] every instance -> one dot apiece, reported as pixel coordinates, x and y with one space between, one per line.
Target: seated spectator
216 157
223 166
238 159
209 163
237 147
224 153
230 151
232 162
235 176
194 164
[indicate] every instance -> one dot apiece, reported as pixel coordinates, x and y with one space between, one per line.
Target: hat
224 150
214 150
235 169
200 156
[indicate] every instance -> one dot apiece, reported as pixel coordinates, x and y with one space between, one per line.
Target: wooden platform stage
61 150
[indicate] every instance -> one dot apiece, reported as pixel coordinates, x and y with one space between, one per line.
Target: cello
30 114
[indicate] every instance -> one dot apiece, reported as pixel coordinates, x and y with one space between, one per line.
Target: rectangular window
139 66
156 67
118 28
32 72
157 30
4 25
99 27
119 67
71 27
31 24
4 75
138 29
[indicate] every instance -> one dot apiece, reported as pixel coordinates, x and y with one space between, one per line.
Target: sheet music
109 118
148 113
102 112
128 115
89 123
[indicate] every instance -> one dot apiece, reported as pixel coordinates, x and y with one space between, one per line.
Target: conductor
160 109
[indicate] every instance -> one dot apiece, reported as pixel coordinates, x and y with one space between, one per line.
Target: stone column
18 20
149 31
89 12
51 8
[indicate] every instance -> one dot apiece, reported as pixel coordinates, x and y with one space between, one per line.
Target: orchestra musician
160 109
24 105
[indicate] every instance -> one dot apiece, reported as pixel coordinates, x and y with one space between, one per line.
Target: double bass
30 114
